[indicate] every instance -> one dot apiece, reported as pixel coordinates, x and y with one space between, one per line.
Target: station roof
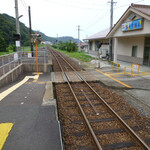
142 10
100 35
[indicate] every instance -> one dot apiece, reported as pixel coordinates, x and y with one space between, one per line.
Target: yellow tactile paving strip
36 82
13 88
5 128
113 78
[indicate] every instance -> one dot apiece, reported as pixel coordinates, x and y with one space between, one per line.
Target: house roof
142 10
99 35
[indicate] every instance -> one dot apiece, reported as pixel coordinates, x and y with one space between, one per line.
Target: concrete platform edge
49 100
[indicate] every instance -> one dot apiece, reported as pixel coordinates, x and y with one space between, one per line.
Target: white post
115 49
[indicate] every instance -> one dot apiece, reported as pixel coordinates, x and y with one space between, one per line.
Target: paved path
35 127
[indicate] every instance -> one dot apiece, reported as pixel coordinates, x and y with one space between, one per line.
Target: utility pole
57 41
18 43
78 38
111 25
17 17
30 30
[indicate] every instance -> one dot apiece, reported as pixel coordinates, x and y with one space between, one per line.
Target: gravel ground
72 124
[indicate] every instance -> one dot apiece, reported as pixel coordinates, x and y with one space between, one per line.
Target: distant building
131 35
84 46
97 38
47 43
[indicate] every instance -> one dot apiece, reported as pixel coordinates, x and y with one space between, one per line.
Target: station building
93 41
131 36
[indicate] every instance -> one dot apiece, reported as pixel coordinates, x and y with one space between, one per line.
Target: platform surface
35 126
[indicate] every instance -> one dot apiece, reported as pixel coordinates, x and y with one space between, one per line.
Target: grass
5 53
26 48
80 56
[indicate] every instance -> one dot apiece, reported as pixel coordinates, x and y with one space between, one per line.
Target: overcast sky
62 17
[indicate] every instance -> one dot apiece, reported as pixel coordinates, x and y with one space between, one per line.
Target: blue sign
132 25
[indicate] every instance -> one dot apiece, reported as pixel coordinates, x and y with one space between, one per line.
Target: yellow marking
36 73
35 80
114 79
13 88
116 75
28 83
144 74
5 128
41 82
108 72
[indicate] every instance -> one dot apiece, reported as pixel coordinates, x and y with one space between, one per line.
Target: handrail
137 65
129 68
117 66
9 61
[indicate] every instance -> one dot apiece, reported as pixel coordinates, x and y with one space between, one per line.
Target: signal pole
30 30
78 38
111 25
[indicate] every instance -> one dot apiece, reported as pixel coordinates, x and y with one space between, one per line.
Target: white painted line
13 88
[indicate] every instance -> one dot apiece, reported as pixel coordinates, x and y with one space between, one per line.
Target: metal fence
10 61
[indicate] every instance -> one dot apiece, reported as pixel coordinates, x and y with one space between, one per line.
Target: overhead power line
24 5
75 5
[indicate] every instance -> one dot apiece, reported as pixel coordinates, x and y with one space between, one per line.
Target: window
147 41
134 51
91 45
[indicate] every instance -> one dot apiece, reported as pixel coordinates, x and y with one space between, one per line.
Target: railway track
94 118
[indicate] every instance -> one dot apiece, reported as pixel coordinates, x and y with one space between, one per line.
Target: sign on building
132 25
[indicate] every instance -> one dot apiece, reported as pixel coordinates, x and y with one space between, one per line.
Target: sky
62 17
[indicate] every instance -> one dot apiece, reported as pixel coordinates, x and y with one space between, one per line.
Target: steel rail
81 110
138 140
89 102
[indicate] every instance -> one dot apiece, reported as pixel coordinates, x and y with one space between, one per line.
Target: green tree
68 46
2 44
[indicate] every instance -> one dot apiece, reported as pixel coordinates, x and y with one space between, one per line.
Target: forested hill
8 28
53 39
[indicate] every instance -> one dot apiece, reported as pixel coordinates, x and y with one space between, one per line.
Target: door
146 56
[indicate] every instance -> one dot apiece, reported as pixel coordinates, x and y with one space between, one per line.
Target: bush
11 47
68 46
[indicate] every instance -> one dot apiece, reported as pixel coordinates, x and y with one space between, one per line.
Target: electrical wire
75 5
128 4
95 22
24 5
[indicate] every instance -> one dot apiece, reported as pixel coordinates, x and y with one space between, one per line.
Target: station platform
28 115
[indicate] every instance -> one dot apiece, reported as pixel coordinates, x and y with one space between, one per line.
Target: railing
10 61
129 68
42 57
113 64
136 66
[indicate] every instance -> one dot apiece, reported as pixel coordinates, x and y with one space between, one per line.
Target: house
46 43
97 38
131 35
84 46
